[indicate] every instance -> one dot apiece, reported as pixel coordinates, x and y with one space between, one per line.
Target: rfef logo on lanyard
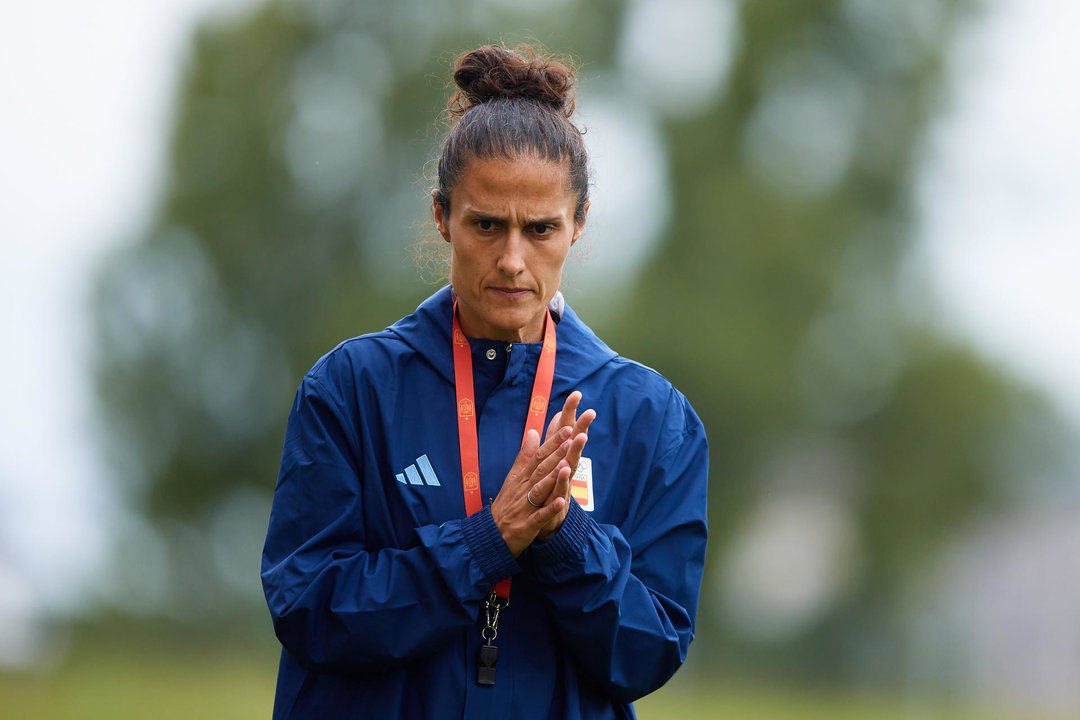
538 406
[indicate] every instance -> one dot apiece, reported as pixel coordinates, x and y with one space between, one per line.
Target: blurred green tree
775 300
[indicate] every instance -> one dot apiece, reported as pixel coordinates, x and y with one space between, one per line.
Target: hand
565 418
537 469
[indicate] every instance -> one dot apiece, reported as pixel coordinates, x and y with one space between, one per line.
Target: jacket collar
427 331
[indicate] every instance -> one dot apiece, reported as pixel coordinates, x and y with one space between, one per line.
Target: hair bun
492 72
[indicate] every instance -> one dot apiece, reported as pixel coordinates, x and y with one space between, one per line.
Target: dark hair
508 104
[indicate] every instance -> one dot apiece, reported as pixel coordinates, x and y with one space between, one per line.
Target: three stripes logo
420 473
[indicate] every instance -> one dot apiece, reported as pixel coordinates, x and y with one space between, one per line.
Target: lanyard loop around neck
466 412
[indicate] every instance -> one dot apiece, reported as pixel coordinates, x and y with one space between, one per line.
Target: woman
427 563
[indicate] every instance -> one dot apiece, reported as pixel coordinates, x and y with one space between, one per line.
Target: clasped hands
541 474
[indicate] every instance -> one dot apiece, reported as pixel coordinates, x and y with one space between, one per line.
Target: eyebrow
480 215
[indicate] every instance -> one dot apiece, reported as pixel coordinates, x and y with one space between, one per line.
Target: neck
533 332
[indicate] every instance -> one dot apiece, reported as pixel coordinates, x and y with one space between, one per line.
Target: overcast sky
87 90
1000 193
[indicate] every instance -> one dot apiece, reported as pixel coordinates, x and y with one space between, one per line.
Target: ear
579 225
440 219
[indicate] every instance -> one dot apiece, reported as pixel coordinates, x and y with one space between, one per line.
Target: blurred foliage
775 300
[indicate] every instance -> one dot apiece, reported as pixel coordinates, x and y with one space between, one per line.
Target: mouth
510 292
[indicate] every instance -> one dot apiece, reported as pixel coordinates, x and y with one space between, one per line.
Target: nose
512 258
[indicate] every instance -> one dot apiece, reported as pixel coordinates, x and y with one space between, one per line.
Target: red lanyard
466 415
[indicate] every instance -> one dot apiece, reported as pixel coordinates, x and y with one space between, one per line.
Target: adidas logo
413 477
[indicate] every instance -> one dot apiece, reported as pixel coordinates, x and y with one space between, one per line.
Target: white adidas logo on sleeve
413 477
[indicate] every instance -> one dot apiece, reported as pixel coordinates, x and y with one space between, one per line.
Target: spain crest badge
581 485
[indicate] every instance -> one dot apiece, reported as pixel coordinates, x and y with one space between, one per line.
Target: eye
543 229
486 224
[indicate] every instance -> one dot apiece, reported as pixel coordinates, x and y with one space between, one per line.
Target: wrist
547 533
488 546
565 545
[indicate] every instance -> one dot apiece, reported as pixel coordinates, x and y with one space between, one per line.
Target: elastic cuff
487 547
567 545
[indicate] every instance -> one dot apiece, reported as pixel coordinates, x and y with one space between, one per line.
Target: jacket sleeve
624 600
338 603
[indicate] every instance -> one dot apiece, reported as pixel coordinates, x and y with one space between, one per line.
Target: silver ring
528 496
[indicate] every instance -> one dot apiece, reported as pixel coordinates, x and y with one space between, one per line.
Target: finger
531 443
550 446
554 425
540 492
581 428
548 465
561 487
569 411
583 422
546 514
573 453
527 452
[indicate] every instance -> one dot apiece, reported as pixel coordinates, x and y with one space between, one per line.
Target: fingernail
565 432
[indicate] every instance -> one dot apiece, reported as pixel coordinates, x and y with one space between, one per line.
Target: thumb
554 425
528 449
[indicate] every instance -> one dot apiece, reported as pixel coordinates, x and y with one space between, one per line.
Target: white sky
85 97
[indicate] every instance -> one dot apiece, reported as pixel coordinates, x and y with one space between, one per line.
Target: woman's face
510 225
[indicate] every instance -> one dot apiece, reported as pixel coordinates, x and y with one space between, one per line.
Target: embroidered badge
581 488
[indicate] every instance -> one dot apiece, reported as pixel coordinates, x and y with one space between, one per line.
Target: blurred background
847 230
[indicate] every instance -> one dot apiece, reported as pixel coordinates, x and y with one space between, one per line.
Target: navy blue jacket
375 577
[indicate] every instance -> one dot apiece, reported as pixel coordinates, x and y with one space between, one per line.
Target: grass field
124 684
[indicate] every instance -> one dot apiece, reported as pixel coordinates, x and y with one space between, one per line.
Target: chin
510 323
